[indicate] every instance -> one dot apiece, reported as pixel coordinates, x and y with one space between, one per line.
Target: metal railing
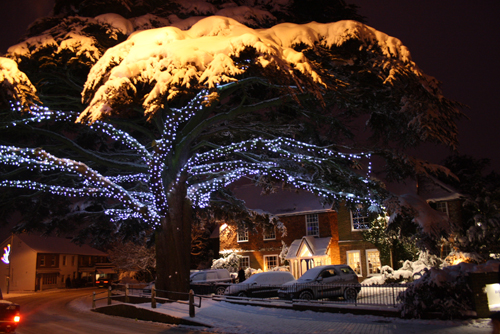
128 292
366 295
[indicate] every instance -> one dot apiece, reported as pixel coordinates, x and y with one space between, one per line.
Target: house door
305 265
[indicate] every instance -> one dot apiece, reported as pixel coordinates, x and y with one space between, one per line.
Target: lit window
245 262
312 225
359 220
270 262
354 261
373 261
242 234
270 233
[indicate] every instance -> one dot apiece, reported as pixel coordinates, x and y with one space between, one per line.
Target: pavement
226 317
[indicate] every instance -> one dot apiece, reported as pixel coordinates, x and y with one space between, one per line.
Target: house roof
431 189
317 246
57 245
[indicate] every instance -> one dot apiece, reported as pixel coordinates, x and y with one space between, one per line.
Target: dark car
9 315
210 281
262 285
328 281
204 282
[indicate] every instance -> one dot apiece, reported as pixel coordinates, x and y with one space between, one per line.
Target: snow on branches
169 59
15 86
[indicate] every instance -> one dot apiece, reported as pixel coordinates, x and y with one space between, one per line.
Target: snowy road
66 312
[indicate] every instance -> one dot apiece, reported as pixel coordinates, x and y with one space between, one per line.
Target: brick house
314 237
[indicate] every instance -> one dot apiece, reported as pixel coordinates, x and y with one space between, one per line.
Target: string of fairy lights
208 171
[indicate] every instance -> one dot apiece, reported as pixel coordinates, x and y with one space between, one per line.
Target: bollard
93 301
191 303
127 299
153 295
109 295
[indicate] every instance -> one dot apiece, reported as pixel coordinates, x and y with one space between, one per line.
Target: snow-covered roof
431 221
317 246
57 245
431 189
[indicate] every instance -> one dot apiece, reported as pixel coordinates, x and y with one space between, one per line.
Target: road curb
133 312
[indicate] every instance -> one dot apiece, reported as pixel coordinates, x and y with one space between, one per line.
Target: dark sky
456 41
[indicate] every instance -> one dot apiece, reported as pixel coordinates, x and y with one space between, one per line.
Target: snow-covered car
323 282
262 285
147 289
210 281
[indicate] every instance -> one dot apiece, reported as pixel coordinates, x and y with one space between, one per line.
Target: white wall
22 267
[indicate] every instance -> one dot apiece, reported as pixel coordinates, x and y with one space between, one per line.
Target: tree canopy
171 116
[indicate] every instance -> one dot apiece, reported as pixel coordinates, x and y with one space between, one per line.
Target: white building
32 263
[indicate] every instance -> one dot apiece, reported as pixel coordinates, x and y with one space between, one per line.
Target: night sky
456 41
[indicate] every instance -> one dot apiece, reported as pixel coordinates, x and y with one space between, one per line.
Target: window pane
373 258
270 261
360 219
354 261
243 234
269 233
312 225
245 262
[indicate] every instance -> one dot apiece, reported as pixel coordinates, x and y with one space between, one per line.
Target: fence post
393 297
93 301
109 295
153 295
191 303
127 299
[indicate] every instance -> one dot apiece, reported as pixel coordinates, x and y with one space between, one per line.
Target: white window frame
372 250
244 237
311 220
244 259
352 265
442 208
266 257
364 218
269 236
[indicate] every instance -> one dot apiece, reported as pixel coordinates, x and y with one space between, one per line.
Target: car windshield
310 275
251 279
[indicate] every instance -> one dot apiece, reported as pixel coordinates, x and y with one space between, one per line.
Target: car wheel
350 294
242 294
306 295
220 290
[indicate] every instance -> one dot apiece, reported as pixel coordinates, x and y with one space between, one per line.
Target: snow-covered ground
225 317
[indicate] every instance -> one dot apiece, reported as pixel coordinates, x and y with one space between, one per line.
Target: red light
105 282
17 318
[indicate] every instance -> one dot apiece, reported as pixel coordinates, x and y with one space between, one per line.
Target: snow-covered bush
230 261
445 291
410 270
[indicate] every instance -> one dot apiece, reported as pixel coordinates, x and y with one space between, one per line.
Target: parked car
210 281
262 285
323 282
204 282
147 289
9 315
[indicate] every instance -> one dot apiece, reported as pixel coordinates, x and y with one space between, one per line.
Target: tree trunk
173 246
